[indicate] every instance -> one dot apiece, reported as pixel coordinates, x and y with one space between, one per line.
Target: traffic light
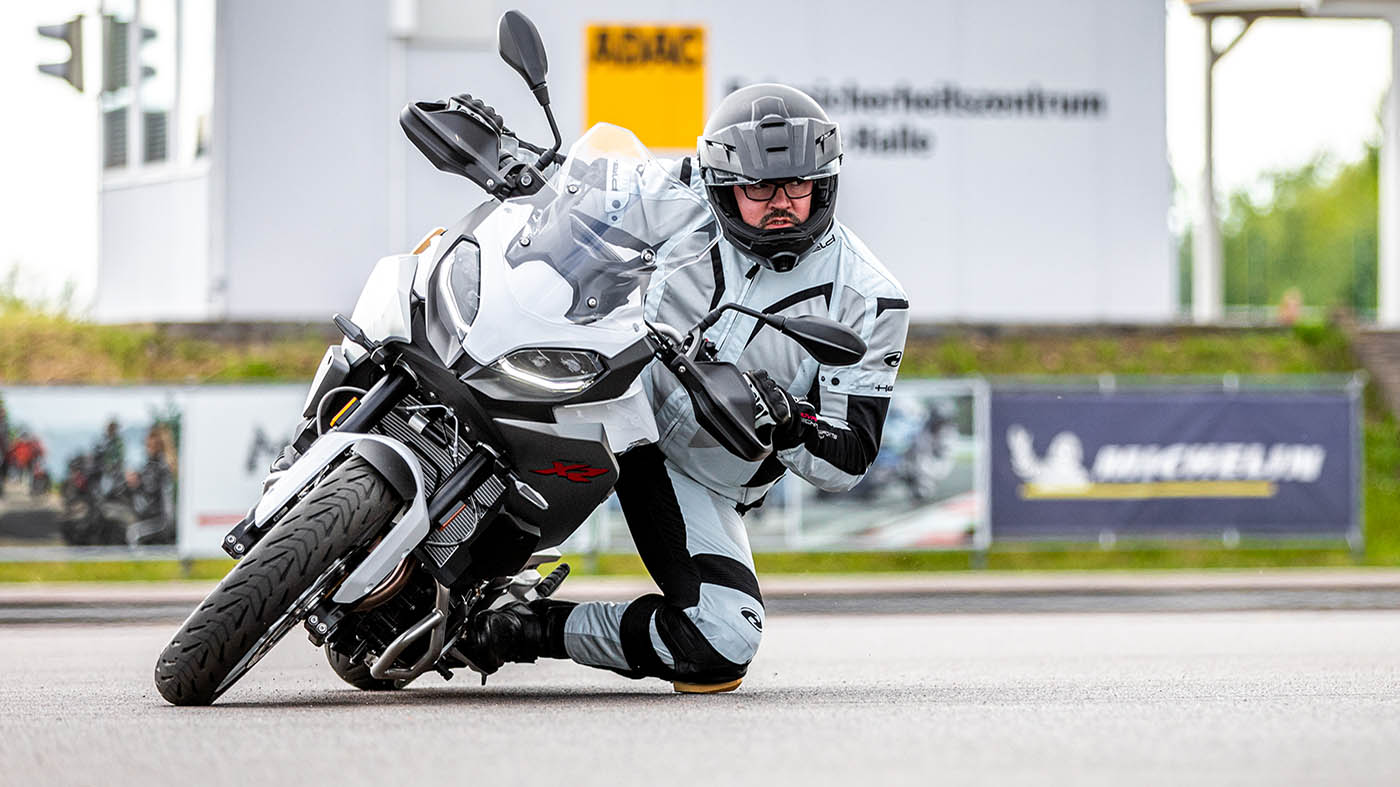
71 33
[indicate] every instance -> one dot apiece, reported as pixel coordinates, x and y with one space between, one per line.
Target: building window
157 82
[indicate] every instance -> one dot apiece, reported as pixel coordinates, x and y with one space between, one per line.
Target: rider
768 161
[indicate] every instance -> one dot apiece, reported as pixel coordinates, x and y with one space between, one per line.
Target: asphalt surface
1261 697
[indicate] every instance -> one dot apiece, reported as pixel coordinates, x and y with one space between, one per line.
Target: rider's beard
774 215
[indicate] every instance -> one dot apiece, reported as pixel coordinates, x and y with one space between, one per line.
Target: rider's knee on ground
708 646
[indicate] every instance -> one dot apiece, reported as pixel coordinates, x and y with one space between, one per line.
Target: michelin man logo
1062 469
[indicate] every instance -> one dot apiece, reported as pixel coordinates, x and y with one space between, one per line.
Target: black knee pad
696 659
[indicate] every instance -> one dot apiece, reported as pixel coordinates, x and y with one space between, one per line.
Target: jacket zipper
734 316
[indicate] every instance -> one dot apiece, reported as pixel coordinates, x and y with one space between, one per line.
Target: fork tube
378 400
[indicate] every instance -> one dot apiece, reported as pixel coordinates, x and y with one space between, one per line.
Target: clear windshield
582 250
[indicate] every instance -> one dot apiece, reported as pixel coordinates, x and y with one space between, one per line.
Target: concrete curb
778 586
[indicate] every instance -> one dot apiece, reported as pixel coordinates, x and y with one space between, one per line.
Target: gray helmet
770 132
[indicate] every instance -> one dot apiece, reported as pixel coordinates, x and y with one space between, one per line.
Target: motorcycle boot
517 632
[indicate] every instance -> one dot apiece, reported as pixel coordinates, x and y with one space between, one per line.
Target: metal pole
1207 273
1206 295
135 119
1388 277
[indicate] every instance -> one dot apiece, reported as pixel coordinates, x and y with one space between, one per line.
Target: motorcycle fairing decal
579 473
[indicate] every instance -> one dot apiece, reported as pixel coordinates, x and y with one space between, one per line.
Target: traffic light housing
71 33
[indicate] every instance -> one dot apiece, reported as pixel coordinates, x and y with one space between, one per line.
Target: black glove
792 418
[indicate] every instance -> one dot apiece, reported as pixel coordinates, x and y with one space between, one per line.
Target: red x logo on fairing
573 472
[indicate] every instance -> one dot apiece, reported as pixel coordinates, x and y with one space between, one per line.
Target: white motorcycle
470 421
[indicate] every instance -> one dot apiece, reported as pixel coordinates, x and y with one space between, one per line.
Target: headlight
556 371
459 287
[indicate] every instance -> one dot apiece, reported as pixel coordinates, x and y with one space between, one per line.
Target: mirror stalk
547 157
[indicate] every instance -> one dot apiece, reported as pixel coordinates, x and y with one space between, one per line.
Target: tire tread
351 501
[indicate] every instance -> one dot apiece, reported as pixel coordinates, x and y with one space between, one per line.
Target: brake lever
762 415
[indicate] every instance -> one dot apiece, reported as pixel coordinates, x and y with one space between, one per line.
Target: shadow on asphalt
450 695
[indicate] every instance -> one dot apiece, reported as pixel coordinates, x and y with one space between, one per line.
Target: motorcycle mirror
522 49
830 342
825 339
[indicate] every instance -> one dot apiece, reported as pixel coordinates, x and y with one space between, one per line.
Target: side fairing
569 464
382 311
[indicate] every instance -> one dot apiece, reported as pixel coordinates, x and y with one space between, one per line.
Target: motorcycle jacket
837 277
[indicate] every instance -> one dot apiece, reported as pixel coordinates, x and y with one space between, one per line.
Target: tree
1316 231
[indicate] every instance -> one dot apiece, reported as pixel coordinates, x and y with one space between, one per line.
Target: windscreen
582 250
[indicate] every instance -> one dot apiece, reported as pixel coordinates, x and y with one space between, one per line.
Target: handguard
724 404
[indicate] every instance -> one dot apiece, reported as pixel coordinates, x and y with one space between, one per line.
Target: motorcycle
471 418
95 510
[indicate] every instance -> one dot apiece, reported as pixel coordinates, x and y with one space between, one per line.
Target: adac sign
647 78
1156 463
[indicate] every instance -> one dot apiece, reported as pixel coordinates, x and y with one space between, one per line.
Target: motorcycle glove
792 418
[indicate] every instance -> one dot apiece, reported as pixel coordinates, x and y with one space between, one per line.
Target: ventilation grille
114 138
442 545
435 459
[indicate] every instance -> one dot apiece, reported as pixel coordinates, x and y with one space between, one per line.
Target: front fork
378 400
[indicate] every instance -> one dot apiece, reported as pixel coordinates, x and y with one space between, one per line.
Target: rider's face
780 211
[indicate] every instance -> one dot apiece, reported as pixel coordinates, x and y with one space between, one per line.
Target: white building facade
1007 161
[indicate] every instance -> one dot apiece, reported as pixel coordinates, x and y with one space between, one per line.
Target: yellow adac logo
647 78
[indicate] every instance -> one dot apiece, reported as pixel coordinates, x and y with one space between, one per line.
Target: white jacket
838 278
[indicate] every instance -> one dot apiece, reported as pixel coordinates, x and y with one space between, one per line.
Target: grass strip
1040 558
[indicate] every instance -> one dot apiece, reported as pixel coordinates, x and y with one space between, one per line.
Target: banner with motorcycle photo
114 470
1190 462
108 471
927 488
88 467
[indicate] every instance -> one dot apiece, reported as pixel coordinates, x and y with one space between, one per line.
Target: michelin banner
1101 465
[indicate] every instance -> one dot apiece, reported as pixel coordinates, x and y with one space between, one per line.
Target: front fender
399 466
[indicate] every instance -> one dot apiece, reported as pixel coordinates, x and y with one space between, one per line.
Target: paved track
1269 697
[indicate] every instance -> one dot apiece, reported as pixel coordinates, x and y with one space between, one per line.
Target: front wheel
266 593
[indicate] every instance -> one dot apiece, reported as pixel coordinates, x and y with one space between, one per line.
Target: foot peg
705 688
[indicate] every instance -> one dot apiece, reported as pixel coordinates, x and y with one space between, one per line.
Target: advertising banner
88 467
925 490
230 437
1071 464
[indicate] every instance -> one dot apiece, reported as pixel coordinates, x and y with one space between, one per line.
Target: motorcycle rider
769 161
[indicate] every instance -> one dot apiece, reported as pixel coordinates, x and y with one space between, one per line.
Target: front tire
351 503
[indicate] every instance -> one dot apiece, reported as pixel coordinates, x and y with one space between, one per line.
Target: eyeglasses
765 190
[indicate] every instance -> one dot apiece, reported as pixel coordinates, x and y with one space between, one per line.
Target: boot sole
705 688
